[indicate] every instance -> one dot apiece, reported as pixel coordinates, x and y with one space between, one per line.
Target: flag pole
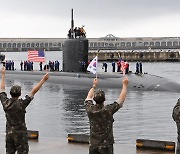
97 61
45 59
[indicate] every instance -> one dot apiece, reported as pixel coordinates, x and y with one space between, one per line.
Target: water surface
59 109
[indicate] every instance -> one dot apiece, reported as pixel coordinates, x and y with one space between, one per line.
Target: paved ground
61 146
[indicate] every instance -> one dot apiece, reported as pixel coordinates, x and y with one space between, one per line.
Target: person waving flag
92 67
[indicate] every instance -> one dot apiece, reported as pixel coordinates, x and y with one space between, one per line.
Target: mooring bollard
33 134
155 144
78 138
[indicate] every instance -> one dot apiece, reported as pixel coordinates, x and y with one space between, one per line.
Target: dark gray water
59 109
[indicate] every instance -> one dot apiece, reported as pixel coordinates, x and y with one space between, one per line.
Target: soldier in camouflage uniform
15 109
101 119
176 118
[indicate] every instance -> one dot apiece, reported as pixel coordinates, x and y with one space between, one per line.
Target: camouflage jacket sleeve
3 98
114 107
88 105
27 100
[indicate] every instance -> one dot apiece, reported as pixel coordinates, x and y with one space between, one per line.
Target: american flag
36 56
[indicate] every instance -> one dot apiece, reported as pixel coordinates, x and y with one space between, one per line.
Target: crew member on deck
104 67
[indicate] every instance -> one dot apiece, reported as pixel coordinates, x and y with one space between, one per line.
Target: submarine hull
145 82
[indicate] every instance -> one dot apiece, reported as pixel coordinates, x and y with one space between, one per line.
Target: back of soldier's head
99 96
15 91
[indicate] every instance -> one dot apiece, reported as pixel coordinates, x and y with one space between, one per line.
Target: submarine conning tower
75 50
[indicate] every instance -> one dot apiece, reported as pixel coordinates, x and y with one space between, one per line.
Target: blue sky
122 18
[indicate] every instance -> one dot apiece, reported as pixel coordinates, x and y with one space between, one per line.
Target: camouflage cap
16 89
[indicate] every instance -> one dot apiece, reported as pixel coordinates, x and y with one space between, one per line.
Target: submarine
145 82
75 53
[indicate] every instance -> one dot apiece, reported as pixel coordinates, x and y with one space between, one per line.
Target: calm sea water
59 109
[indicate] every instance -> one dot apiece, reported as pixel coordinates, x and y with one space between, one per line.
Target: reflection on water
75 115
59 109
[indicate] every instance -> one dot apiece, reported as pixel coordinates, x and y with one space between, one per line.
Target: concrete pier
136 56
57 146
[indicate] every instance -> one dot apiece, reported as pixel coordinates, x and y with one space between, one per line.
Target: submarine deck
144 82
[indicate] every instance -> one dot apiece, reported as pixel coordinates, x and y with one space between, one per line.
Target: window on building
134 44
19 45
23 45
50 44
37 44
111 45
157 44
116 44
59 45
14 45
169 43
128 44
102 44
9 45
99 44
28 45
140 44
46 44
146 44
91 44
151 43
163 43
95 44
0 45
122 44
175 43
42 45
4 45
32 45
